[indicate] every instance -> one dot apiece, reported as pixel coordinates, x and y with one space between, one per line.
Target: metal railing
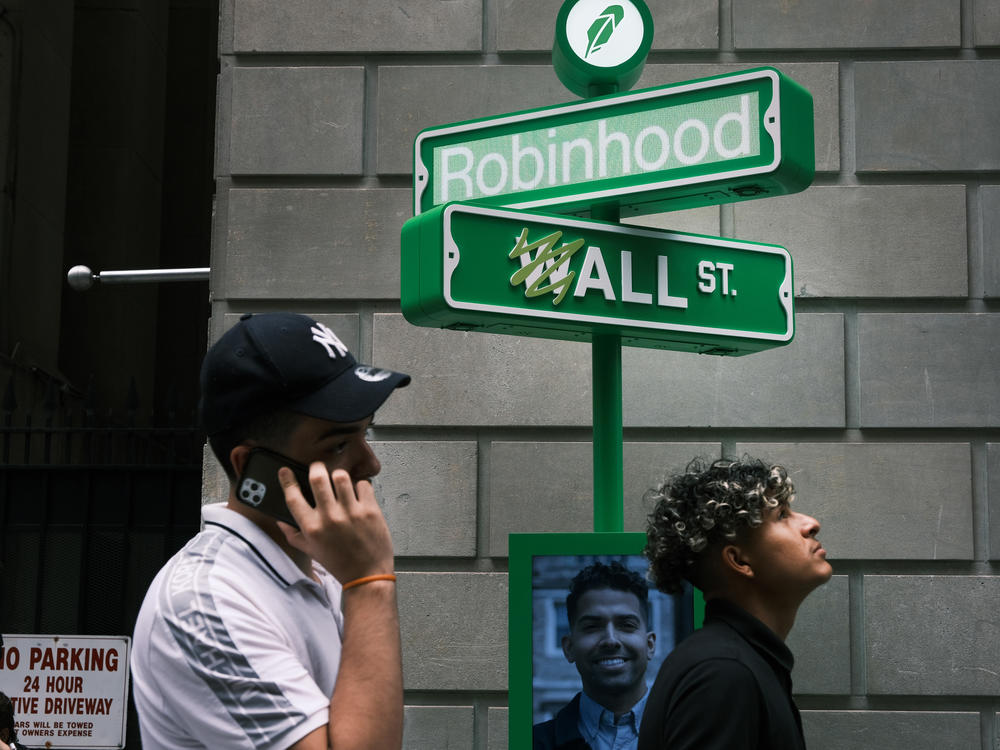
91 504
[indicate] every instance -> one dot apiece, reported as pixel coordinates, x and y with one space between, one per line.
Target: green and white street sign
714 140
600 46
473 267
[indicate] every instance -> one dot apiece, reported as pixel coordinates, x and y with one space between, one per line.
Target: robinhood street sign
714 140
504 271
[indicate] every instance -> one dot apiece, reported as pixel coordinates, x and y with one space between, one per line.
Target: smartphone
259 487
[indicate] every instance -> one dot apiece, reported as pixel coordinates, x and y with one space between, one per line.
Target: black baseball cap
271 361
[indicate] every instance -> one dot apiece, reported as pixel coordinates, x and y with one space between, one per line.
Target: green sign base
472 267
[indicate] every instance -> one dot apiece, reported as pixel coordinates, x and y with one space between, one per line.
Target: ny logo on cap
329 340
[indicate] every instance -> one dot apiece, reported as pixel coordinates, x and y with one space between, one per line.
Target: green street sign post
472 267
715 140
493 266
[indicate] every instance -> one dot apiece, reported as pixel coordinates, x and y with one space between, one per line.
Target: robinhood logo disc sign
697 143
602 34
474 266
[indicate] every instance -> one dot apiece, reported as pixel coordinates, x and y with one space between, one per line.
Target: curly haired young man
728 529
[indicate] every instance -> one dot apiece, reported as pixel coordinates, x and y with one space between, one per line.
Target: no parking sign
68 691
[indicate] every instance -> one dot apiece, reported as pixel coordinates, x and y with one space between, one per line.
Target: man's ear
567 643
238 458
734 561
650 644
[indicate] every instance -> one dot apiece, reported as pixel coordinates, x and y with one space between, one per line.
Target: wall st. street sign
473 267
710 141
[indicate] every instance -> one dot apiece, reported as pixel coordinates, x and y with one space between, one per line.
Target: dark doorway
106 160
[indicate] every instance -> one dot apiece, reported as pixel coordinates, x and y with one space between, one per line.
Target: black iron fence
91 505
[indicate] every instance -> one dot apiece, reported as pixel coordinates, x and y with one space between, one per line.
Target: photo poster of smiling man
587 635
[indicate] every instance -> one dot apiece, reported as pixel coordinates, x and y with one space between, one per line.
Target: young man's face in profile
609 642
786 554
338 445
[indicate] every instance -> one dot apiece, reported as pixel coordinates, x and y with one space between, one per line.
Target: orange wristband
368 579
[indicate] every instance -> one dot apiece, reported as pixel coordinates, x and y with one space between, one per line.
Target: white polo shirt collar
266 550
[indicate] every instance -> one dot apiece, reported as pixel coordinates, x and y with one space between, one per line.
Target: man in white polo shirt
259 634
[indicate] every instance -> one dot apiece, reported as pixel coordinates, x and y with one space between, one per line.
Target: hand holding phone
258 487
345 530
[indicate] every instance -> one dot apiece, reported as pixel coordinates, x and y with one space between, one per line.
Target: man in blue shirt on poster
610 644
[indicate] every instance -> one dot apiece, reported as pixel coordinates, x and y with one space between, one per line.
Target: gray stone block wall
497 729
428 494
454 631
799 385
920 24
909 501
821 641
993 488
314 243
434 727
957 111
885 407
990 208
986 21
929 369
905 619
462 378
377 26
303 120
891 730
536 486
841 248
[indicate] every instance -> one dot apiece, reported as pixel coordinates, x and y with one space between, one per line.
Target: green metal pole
606 370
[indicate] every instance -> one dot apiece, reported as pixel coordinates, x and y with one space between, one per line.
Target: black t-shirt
726 687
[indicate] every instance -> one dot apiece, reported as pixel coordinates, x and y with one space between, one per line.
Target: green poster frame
523 548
